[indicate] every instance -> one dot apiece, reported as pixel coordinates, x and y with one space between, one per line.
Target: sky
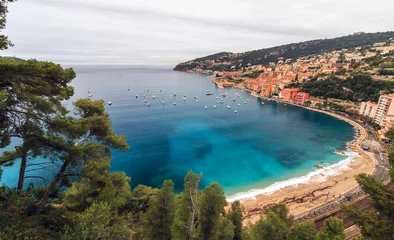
166 32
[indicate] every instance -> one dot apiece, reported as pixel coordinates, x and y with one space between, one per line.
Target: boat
216 97
217 101
262 103
228 107
147 90
239 104
221 102
163 102
136 96
153 96
196 101
170 97
144 96
223 95
148 104
206 107
174 94
90 95
234 99
174 103
214 106
145 100
209 93
184 98
235 111
245 102
128 89
89 91
110 103
195 97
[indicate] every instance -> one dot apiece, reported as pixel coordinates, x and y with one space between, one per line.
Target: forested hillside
224 61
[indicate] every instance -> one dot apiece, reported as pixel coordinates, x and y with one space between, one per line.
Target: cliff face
225 61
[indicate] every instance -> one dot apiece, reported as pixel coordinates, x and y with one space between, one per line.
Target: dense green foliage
356 88
293 50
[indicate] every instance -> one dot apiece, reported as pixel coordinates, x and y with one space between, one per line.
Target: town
280 80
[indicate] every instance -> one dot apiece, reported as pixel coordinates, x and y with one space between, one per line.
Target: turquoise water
254 148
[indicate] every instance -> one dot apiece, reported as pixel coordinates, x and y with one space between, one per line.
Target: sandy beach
304 197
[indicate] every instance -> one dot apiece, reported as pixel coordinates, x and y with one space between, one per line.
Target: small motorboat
216 97
223 95
196 101
234 99
262 103
148 104
228 107
110 103
147 90
184 98
90 95
144 96
214 106
174 103
195 97
209 93
163 102
128 89
89 91
170 97
239 104
221 102
153 96
136 96
245 102
145 100
206 107
235 111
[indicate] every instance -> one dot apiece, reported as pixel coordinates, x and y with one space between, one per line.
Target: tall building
301 97
289 93
368 109
385 108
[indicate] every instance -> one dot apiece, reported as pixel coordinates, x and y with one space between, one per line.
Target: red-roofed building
301 97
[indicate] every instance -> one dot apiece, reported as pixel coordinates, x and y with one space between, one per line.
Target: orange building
289 93
301 97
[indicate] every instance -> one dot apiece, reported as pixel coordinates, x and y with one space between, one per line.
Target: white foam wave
318 175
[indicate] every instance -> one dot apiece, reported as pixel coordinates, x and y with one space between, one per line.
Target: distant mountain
224 60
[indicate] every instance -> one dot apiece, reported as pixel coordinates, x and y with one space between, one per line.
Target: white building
368 109
385 108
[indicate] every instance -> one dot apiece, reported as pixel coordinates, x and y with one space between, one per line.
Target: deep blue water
258 146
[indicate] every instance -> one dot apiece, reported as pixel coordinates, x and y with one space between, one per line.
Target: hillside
225 60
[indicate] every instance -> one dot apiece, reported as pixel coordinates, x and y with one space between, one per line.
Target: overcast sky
147 32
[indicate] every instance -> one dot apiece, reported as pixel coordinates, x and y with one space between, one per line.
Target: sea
247 145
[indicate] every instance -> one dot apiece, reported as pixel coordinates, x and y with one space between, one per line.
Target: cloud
172 31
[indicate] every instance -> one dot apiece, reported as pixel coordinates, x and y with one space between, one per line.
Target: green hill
224 60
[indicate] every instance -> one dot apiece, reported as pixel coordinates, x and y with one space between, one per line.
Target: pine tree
273 228
303 231
158 219
332 230
32 92
212 206
236 217
71 142
97 184
226 229
99 221
188 210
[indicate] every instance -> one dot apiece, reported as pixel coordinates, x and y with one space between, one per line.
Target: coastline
301 194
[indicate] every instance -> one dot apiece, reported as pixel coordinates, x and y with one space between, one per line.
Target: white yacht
235 111
110 103
228 107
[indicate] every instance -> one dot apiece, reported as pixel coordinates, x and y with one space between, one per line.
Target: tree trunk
22 170
41 204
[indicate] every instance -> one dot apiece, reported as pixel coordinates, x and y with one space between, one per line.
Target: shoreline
311 190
